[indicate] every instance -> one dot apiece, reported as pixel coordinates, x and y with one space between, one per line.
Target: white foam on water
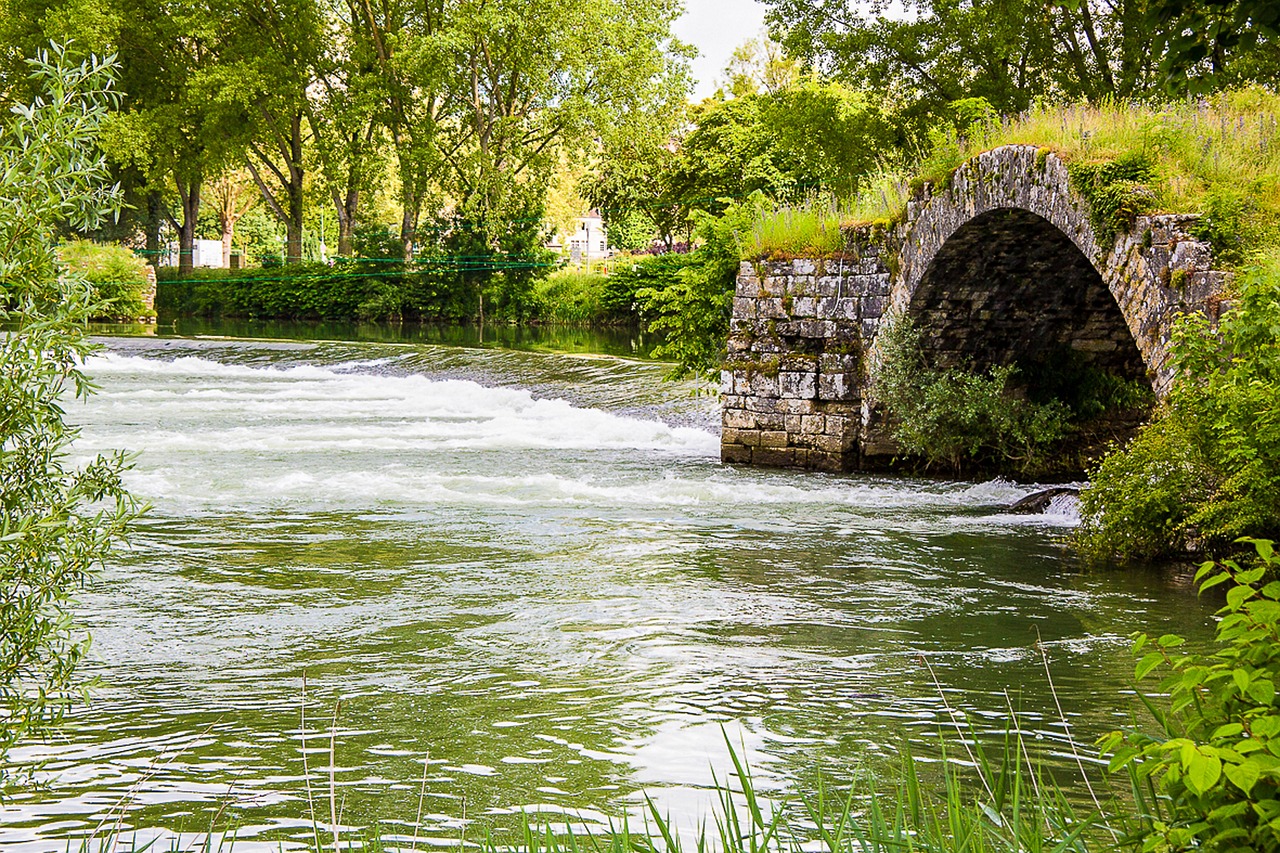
1062 511
214 408
713 488
217 436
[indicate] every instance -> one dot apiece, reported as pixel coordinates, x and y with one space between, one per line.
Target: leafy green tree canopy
56 523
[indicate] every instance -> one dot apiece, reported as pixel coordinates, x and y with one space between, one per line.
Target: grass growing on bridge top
1218 157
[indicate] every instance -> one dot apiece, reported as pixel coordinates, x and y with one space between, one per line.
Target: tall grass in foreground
973 800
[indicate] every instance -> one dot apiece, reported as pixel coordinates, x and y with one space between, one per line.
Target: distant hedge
344 291
364 290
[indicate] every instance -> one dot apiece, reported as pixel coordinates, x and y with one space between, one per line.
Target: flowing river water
529 581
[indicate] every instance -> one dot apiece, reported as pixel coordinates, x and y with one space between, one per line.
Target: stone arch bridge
1001 266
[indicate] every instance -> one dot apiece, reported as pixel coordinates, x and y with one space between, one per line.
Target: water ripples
529 577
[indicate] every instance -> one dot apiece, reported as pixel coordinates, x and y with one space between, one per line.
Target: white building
588 243
204 253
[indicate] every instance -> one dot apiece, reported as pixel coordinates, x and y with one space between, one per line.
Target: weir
1002 265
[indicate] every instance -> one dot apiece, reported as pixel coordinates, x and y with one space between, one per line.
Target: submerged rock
1039 501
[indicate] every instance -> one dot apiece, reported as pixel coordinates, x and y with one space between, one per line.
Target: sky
715 28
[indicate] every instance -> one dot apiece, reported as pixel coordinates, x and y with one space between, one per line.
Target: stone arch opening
1009 287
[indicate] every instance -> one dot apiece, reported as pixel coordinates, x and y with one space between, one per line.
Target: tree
632 173
541 76
1009 52
173 131
269 58
808 137
760 65
234 195
56 524
410 83
1212 42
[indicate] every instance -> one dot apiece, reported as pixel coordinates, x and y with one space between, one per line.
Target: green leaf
1228 730
1244 775
1262 690
1203 772
1252 576
1149 662
1237 596
1169 641
1241 678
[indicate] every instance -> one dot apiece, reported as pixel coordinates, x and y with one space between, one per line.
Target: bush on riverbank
118 276
447 290
1215 756
956 418
574 297
1034 419
686 298
1208 469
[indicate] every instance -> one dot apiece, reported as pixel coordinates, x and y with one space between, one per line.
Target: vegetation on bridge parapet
1218 157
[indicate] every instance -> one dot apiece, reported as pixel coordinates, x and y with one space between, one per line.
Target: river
526 577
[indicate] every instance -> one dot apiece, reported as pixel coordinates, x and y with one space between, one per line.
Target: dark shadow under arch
1008 287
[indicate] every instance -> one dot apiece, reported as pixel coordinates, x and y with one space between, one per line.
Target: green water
527 575
618 341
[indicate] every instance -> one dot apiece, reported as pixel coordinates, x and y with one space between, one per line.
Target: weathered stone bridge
1002 266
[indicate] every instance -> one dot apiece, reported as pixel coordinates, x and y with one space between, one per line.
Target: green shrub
571 296
118 276
655 272
1208 471
344 291
1210 778
1137 503
691 310
1088 391
1231 222
956 418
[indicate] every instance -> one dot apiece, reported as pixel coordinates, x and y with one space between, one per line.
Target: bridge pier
794 379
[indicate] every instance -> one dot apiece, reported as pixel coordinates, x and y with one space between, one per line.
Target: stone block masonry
1001 266
793 379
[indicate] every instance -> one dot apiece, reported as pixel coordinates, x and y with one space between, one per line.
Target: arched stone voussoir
1153 271
1013 177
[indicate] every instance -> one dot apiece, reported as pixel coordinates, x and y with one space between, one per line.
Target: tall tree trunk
347 222
228 232
155 216
189 197
407 229
293 228
287 204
